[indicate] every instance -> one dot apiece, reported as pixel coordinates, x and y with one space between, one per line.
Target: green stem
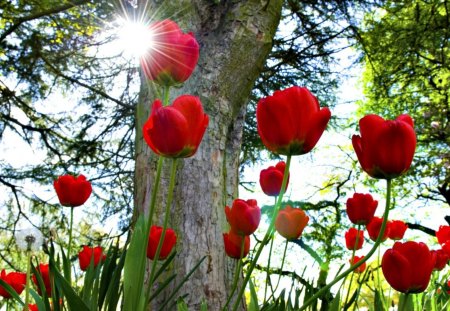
268 264
267 235
69 248
236 274
166 219
404 302
359 263
166 90
353 256
282 264
154 193
27 284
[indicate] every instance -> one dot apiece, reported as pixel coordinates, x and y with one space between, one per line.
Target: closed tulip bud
271 178
407 266
290 122
374 227
354 261
233 243
441 259
88 254
72 191
361 208
290 222
397 229
16 280
176 131
170 239
354 239
172 56
243 216
44 272
385 148
443 234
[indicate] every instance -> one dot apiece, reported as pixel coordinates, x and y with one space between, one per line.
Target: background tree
406 55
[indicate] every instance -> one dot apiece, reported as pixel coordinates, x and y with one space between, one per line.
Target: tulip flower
233 242
290 122
350 239
271 178
385 149
374 227
172 55
290 222
397 229
443 234
16 280
361 208
170 239
243 216
355 260
176 131
72 191
44 272
407 266
33 307
89 254
442 259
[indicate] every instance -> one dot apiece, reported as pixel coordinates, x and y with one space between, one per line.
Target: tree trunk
235 39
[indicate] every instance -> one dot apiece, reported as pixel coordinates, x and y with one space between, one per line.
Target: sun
133 38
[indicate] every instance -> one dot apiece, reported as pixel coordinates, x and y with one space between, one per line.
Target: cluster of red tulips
290 122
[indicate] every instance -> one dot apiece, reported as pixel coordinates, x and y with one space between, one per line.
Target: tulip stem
236 274
27 284
363 260
268 234
154 193
173 173
69 248
166 90
282 265
352 262
268 263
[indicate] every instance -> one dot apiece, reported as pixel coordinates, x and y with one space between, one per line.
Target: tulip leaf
181 305
335 303
253 305
39 301
134 269
11 291
73 300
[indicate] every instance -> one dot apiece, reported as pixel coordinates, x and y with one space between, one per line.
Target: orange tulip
290 222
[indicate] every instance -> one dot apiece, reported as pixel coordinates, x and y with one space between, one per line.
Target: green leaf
335 303
11 291
253 305
39 301
73 300
134 269
181 305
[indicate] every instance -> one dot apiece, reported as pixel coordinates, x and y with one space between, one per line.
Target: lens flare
134 38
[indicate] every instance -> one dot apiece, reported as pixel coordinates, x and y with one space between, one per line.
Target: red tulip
290 122
243 216
16 280
271 178
442 259
407 266
72 191
43 270
88 254
361 208
176 131
443 234
33 307
350 239
355 260
173 54
397 229
233 244
290 222
385 149
374 227
170 239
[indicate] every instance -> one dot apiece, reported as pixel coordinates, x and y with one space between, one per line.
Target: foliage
405 46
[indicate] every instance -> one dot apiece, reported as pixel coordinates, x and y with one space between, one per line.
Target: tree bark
235 39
